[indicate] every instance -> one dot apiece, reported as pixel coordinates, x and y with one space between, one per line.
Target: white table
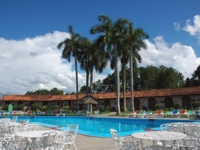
161 136
34 135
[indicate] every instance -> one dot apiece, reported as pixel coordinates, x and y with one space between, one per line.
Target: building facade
144 99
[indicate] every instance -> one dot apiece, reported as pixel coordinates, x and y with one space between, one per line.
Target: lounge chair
87 113
141 114
97 112
168 113
15 112
64 113
182 112
159 112
79 113
148 114
175 112
41 113
189 113
20 112
2 112
9 113
133 114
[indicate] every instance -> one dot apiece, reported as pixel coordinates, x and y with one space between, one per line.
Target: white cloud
193 28
35 63
178 56
177 26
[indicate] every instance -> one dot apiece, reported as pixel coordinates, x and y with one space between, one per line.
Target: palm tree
111 36
124 61
71 48
91 57
136 43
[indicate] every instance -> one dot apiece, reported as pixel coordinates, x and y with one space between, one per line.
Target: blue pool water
100 126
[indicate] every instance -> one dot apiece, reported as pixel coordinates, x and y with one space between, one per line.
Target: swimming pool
100 126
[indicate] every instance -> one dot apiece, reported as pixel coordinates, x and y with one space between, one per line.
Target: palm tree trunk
117 82
76 83
131 81
124 85
91 80
87 82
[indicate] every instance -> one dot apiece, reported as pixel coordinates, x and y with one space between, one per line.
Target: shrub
35 106
107 109
177 105
20 106
94 108
54 107
6 107
157 106
196 104
166 109
66 107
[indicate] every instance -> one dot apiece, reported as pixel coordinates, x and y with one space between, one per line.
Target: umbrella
88 100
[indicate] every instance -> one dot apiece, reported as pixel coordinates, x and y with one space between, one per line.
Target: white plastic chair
70 135
87 113
125 143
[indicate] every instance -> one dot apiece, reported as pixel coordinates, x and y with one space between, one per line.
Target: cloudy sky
31 30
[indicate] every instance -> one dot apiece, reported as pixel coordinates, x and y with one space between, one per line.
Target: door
152 104
186 102
168 102
107 104
136 104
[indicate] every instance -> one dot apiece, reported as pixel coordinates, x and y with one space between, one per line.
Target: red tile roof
108 95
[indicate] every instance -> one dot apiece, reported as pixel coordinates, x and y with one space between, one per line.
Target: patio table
161 136
34 136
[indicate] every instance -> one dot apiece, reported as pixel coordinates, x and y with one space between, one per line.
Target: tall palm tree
91 57
124 61
111 40
70 48
135 39
84 57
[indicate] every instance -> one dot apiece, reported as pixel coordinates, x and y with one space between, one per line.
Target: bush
196 104
157 106
94 108
66 107
6 107
107 109
54 107
177 105
20 106
36 106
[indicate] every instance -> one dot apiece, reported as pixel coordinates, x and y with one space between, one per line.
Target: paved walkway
93 143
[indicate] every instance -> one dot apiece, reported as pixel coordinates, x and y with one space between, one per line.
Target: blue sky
35 27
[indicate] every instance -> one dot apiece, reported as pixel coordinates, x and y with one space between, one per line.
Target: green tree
169 78
70 48
149 76
196 77
56 91
110 36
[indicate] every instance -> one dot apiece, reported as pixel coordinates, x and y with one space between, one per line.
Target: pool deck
93 143
83 142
